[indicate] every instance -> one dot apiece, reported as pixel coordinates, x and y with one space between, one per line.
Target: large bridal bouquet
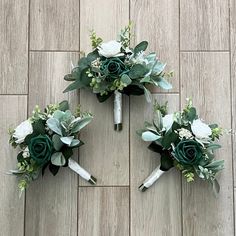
115 68
48 139
185 142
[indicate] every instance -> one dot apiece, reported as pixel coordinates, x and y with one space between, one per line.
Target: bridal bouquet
185 142
47 139
115 68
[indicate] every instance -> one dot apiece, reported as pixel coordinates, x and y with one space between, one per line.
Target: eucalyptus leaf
146 79
67 140
138 71
126 79
75 142
54 125
64 105
77 84
150 136
57 143
141 47
58 159
81 124
147 94
164 84
216 187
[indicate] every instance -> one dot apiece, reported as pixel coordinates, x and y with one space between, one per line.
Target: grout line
27 110
165 93
14 94
181 182
34 50
104 186
231 105
129 147
202 51
77 200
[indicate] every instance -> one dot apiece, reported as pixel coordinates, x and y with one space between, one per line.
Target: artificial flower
22 130
188 152
200 129
40 149
110 49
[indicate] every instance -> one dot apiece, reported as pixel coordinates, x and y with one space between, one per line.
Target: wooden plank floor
39 39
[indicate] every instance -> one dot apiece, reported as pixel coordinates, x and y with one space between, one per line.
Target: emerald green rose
40 149
188 152
113 67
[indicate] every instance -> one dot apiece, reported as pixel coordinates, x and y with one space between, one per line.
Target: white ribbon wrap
151 179
73 165
118 111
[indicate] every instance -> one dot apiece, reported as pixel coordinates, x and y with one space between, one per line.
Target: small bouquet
115 68
47 139
185 142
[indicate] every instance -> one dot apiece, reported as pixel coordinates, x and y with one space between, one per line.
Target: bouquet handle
73 165
151 179
117 111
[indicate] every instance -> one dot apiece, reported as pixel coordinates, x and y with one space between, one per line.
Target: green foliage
95 40
141 47
128 71
179 147
51 144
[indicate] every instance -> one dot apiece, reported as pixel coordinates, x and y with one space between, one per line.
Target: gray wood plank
51 202
107 152
158 210
157 22
14 46
233 74
103 211
13 112
209 86
204 25
54 25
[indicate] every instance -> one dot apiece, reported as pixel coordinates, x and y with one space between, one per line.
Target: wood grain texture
204 25
204 77
233 75
13 111
108 152
158 210
157 22
51 202
103 211
54 25
14 46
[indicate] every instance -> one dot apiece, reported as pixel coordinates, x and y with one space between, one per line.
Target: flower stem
151 179
118 111
73 165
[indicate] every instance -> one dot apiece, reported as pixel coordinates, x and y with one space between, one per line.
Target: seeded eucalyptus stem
117 111
73 165
151 179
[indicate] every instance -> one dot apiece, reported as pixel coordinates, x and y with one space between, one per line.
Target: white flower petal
200 129
167 121
22 130
110 49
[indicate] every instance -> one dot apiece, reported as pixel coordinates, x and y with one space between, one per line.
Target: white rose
22 130
200 129
110 49
167 121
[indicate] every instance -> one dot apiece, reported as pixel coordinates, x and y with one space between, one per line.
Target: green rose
113 67
40 149
188 152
